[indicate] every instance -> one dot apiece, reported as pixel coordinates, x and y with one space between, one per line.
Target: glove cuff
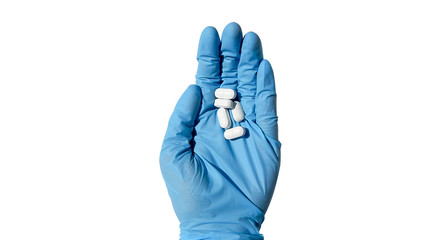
201 235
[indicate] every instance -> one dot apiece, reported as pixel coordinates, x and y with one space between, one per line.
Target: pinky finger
265 101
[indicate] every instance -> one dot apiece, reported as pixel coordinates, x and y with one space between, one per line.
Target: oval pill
223 103
237 112
225 93
223 118
235 132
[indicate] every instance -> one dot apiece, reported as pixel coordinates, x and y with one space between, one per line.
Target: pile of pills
224 102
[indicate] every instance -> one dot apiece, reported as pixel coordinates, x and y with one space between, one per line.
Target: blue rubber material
221 189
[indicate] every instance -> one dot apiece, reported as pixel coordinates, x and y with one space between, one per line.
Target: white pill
223 103
237 112
225 93
233 133
223 118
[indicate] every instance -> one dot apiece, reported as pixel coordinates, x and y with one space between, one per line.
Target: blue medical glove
221 189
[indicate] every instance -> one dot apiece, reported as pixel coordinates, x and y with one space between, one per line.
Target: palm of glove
218 185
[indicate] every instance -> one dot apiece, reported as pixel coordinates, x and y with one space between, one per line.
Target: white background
87 87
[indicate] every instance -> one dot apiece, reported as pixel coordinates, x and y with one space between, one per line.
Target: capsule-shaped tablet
223 118
235 132
237 112
223 103
225 93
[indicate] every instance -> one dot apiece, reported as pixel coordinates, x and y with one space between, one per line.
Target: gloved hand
221 189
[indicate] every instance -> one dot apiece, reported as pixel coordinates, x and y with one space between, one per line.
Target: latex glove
221 189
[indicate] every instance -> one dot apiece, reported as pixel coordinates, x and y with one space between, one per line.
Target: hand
221 189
